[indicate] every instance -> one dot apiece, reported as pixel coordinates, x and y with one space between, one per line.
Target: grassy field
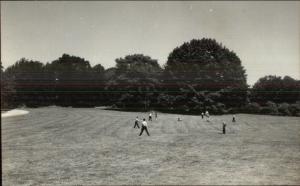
68 146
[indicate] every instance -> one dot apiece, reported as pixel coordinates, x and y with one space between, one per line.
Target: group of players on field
144 126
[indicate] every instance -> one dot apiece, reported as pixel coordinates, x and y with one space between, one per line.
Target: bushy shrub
221 108
283 109
276 89
215 96
208 108
198 108
294 109
214 109
208 101
234 110
218 108
270 108
183 108
267 110
253 108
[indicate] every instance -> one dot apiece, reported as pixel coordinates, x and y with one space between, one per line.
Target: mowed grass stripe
102 147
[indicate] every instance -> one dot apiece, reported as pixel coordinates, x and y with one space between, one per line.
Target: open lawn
68 146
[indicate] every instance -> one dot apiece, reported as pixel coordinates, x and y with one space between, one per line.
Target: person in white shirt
136 123
144 127
150 116
206 113
207 116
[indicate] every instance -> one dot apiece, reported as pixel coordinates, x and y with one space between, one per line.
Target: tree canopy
199 75
206 64
276 89
135 80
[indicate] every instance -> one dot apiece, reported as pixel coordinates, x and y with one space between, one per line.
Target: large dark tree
68 67
67 81
133 82
98 70
74 81
198 68
7 91
276 89
26 69
110 73
28 78
205 64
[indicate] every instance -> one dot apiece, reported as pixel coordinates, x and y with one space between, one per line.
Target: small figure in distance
233 118
224 127
207 116
202 115
144 127
150 116
136 122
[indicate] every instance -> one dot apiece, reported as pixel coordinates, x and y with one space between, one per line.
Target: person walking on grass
202 115
136 122
144 127
150 116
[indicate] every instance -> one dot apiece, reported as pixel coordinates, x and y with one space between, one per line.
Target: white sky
265 35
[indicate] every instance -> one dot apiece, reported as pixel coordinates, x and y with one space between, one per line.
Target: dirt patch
14 112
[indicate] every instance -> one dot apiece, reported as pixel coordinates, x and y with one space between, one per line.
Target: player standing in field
224 128
136 122
144 127
207 116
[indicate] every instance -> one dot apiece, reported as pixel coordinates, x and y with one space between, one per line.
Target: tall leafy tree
276 89
7 91
98 70
134 81
72 80
205 64
97 85
69 67
28 77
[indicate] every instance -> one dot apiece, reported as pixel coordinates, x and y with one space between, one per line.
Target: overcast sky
265 35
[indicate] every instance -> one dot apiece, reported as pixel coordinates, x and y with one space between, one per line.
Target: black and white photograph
150 93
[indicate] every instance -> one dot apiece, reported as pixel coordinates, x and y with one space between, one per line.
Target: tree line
199 75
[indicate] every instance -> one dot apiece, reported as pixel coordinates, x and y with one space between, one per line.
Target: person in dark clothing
136 123
202 115
144 127
224 128
233 118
